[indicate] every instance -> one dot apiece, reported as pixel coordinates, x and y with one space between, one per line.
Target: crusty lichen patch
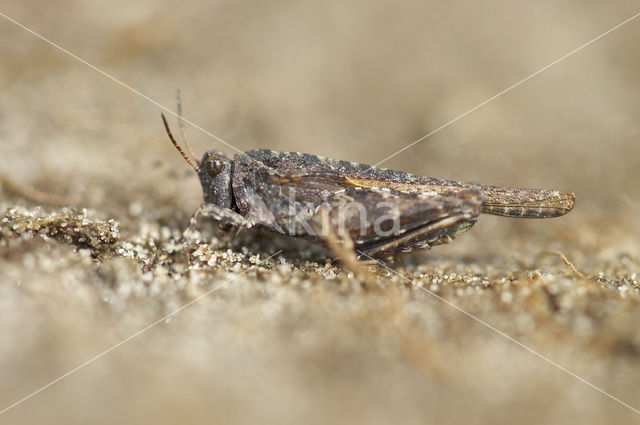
67 225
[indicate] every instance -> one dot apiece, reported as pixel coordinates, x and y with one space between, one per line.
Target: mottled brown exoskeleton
375 211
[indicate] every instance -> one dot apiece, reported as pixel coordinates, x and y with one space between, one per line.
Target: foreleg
219 214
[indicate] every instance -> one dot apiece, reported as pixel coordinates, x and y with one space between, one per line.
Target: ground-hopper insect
373 211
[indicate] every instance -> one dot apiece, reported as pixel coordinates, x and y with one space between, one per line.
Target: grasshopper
373 211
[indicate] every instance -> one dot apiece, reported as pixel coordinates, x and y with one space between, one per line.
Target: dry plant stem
35 195
343 248
565 260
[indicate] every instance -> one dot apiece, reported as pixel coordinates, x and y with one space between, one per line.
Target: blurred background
355 80
349 80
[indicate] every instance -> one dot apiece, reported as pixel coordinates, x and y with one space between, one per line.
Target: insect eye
214 167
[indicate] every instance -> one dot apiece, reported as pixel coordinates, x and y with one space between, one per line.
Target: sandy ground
296 338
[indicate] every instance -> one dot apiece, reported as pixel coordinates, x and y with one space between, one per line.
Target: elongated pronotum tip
555 204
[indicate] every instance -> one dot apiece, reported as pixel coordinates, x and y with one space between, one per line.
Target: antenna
177 146
183 133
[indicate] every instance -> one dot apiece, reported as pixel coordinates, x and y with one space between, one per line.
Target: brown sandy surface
296 338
